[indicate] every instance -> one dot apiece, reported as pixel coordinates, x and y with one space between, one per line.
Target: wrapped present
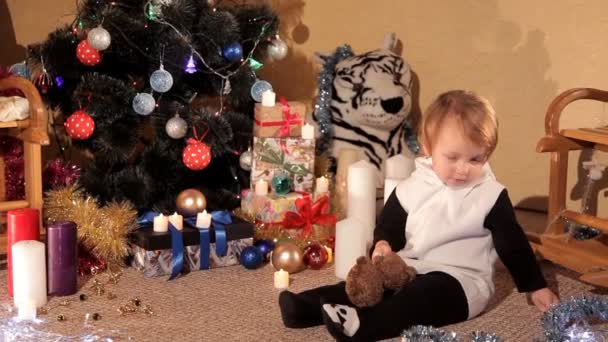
284 119
309 214
156 263
175 252
270 208
279 156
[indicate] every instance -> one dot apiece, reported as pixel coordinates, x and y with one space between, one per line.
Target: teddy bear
369 278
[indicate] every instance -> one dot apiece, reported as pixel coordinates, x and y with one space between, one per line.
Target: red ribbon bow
308 215
290 118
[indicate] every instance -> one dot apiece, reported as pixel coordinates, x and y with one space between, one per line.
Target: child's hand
543 299
382 248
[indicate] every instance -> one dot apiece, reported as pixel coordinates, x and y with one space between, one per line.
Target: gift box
278 156
278 121
270 208
152 251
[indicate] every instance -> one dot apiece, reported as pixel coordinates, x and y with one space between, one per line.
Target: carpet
235 304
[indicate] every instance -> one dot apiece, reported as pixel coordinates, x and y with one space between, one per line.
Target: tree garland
559 324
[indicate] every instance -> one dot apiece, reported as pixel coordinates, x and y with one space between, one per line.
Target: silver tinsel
144 103
258 88
322 107
277 49
99 38
421 333
176 127
558 321
161 80
245 160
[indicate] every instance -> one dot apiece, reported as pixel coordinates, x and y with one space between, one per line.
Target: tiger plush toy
365 102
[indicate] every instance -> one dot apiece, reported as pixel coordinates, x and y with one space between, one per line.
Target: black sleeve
512 246
391 224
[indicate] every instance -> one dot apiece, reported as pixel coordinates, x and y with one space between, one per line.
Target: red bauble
79 125
196 155
87 54
315 256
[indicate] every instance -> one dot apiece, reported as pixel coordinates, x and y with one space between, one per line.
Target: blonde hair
474 112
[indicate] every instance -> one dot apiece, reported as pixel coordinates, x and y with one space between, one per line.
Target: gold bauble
190 202
287 257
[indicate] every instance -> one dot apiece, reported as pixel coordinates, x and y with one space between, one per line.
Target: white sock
344 316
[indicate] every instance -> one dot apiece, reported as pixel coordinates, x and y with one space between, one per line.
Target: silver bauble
277 49
99 38
144 103
161 80
245 160
21 70
176 127
258 88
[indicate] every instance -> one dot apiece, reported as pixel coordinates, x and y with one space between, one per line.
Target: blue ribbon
204 239
219 219
177 242
177 247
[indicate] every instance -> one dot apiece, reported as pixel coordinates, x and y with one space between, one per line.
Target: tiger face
373 89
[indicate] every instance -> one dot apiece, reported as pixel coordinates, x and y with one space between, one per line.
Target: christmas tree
137 82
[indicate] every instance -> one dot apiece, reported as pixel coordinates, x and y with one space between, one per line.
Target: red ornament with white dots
79 125
196 155
86 54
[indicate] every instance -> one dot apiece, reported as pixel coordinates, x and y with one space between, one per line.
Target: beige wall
518 53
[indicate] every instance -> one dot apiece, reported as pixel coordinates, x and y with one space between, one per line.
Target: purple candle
62 258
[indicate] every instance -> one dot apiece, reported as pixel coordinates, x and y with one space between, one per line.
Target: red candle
21 224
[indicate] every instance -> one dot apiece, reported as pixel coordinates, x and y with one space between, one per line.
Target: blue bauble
258 88
233 52
21 70
251 257
265 247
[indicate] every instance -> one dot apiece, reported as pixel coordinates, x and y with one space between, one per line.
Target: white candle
322 185
398 167
203 219
261 188
29 273
161 223
350 245
361 202
308 131
268 98
27 310
281 279
177 221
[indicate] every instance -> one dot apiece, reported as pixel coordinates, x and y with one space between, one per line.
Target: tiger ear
390 42
321 58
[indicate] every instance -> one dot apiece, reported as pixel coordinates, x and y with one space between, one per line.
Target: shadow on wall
11 52
293 77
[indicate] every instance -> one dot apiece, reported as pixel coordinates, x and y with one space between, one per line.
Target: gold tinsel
102 230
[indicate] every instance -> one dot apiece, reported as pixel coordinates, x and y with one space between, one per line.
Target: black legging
434 298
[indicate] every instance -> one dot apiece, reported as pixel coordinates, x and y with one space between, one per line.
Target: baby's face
456 159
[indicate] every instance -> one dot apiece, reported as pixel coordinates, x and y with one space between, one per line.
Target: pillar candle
203 219
389 185
350 244
21 224
398 167
268 98
62 256
29 273
346 157
281 279
27 310
308 131
177 221
261 187
361 190
161 223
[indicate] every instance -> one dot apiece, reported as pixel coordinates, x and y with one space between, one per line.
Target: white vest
445 232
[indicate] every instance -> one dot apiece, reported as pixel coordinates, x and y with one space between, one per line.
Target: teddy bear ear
390 41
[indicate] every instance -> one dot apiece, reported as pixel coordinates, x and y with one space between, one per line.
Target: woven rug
235 304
